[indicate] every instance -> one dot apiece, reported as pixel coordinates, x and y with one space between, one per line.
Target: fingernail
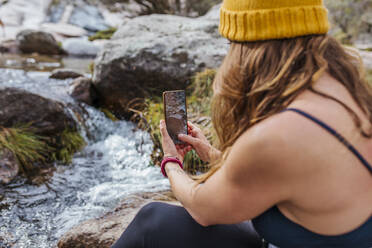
181 135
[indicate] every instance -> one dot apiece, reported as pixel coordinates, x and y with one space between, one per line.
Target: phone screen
175 113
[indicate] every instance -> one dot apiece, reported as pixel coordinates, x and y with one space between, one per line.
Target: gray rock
104 231
89 18
80 47
65 29
9 167
192 8
150 54
356 23
31 41
45 116
55 12
9 46
65 74
83 91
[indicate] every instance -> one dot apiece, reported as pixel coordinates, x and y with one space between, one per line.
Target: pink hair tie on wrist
169 159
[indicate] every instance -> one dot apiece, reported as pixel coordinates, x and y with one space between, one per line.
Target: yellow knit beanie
254 20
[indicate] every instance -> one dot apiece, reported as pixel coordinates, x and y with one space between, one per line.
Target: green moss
69 142
103 35
31 149
27 147
91 67
108 114
55 2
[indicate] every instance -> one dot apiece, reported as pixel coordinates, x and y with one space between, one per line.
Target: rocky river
96 194
114 164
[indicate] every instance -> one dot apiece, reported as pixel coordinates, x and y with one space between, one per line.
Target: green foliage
69 142
147 115
31 149
108 114
27 147
201 92
103 35
193 164
91 67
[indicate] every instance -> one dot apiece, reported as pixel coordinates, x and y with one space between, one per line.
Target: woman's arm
248 183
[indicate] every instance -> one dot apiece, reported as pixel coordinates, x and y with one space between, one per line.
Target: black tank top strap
334 133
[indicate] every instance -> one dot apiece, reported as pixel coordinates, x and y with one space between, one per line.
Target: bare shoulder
277 135
269 146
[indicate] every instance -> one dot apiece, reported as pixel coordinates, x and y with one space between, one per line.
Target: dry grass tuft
149 112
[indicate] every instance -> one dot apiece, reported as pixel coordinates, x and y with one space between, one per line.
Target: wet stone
9 167
83 91
65 74
33 41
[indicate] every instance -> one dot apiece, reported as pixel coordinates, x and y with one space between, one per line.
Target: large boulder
104 231
46 117
150 54
33 41
191 8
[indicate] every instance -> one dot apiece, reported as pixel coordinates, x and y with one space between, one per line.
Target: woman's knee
150 210
147 219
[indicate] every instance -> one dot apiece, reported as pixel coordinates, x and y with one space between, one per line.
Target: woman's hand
200 143
169 148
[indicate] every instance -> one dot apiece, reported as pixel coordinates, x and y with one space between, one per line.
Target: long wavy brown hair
259 79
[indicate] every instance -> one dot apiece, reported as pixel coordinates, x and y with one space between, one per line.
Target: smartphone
175 112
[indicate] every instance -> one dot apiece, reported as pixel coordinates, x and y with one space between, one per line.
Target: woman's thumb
188 139
163 129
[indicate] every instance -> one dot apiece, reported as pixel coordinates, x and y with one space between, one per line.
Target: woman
293 117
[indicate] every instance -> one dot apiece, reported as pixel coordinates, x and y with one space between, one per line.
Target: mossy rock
36 130
103 35
34 152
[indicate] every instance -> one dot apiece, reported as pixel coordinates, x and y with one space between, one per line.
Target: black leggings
161 225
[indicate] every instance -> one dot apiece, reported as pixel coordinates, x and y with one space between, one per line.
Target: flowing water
114 163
